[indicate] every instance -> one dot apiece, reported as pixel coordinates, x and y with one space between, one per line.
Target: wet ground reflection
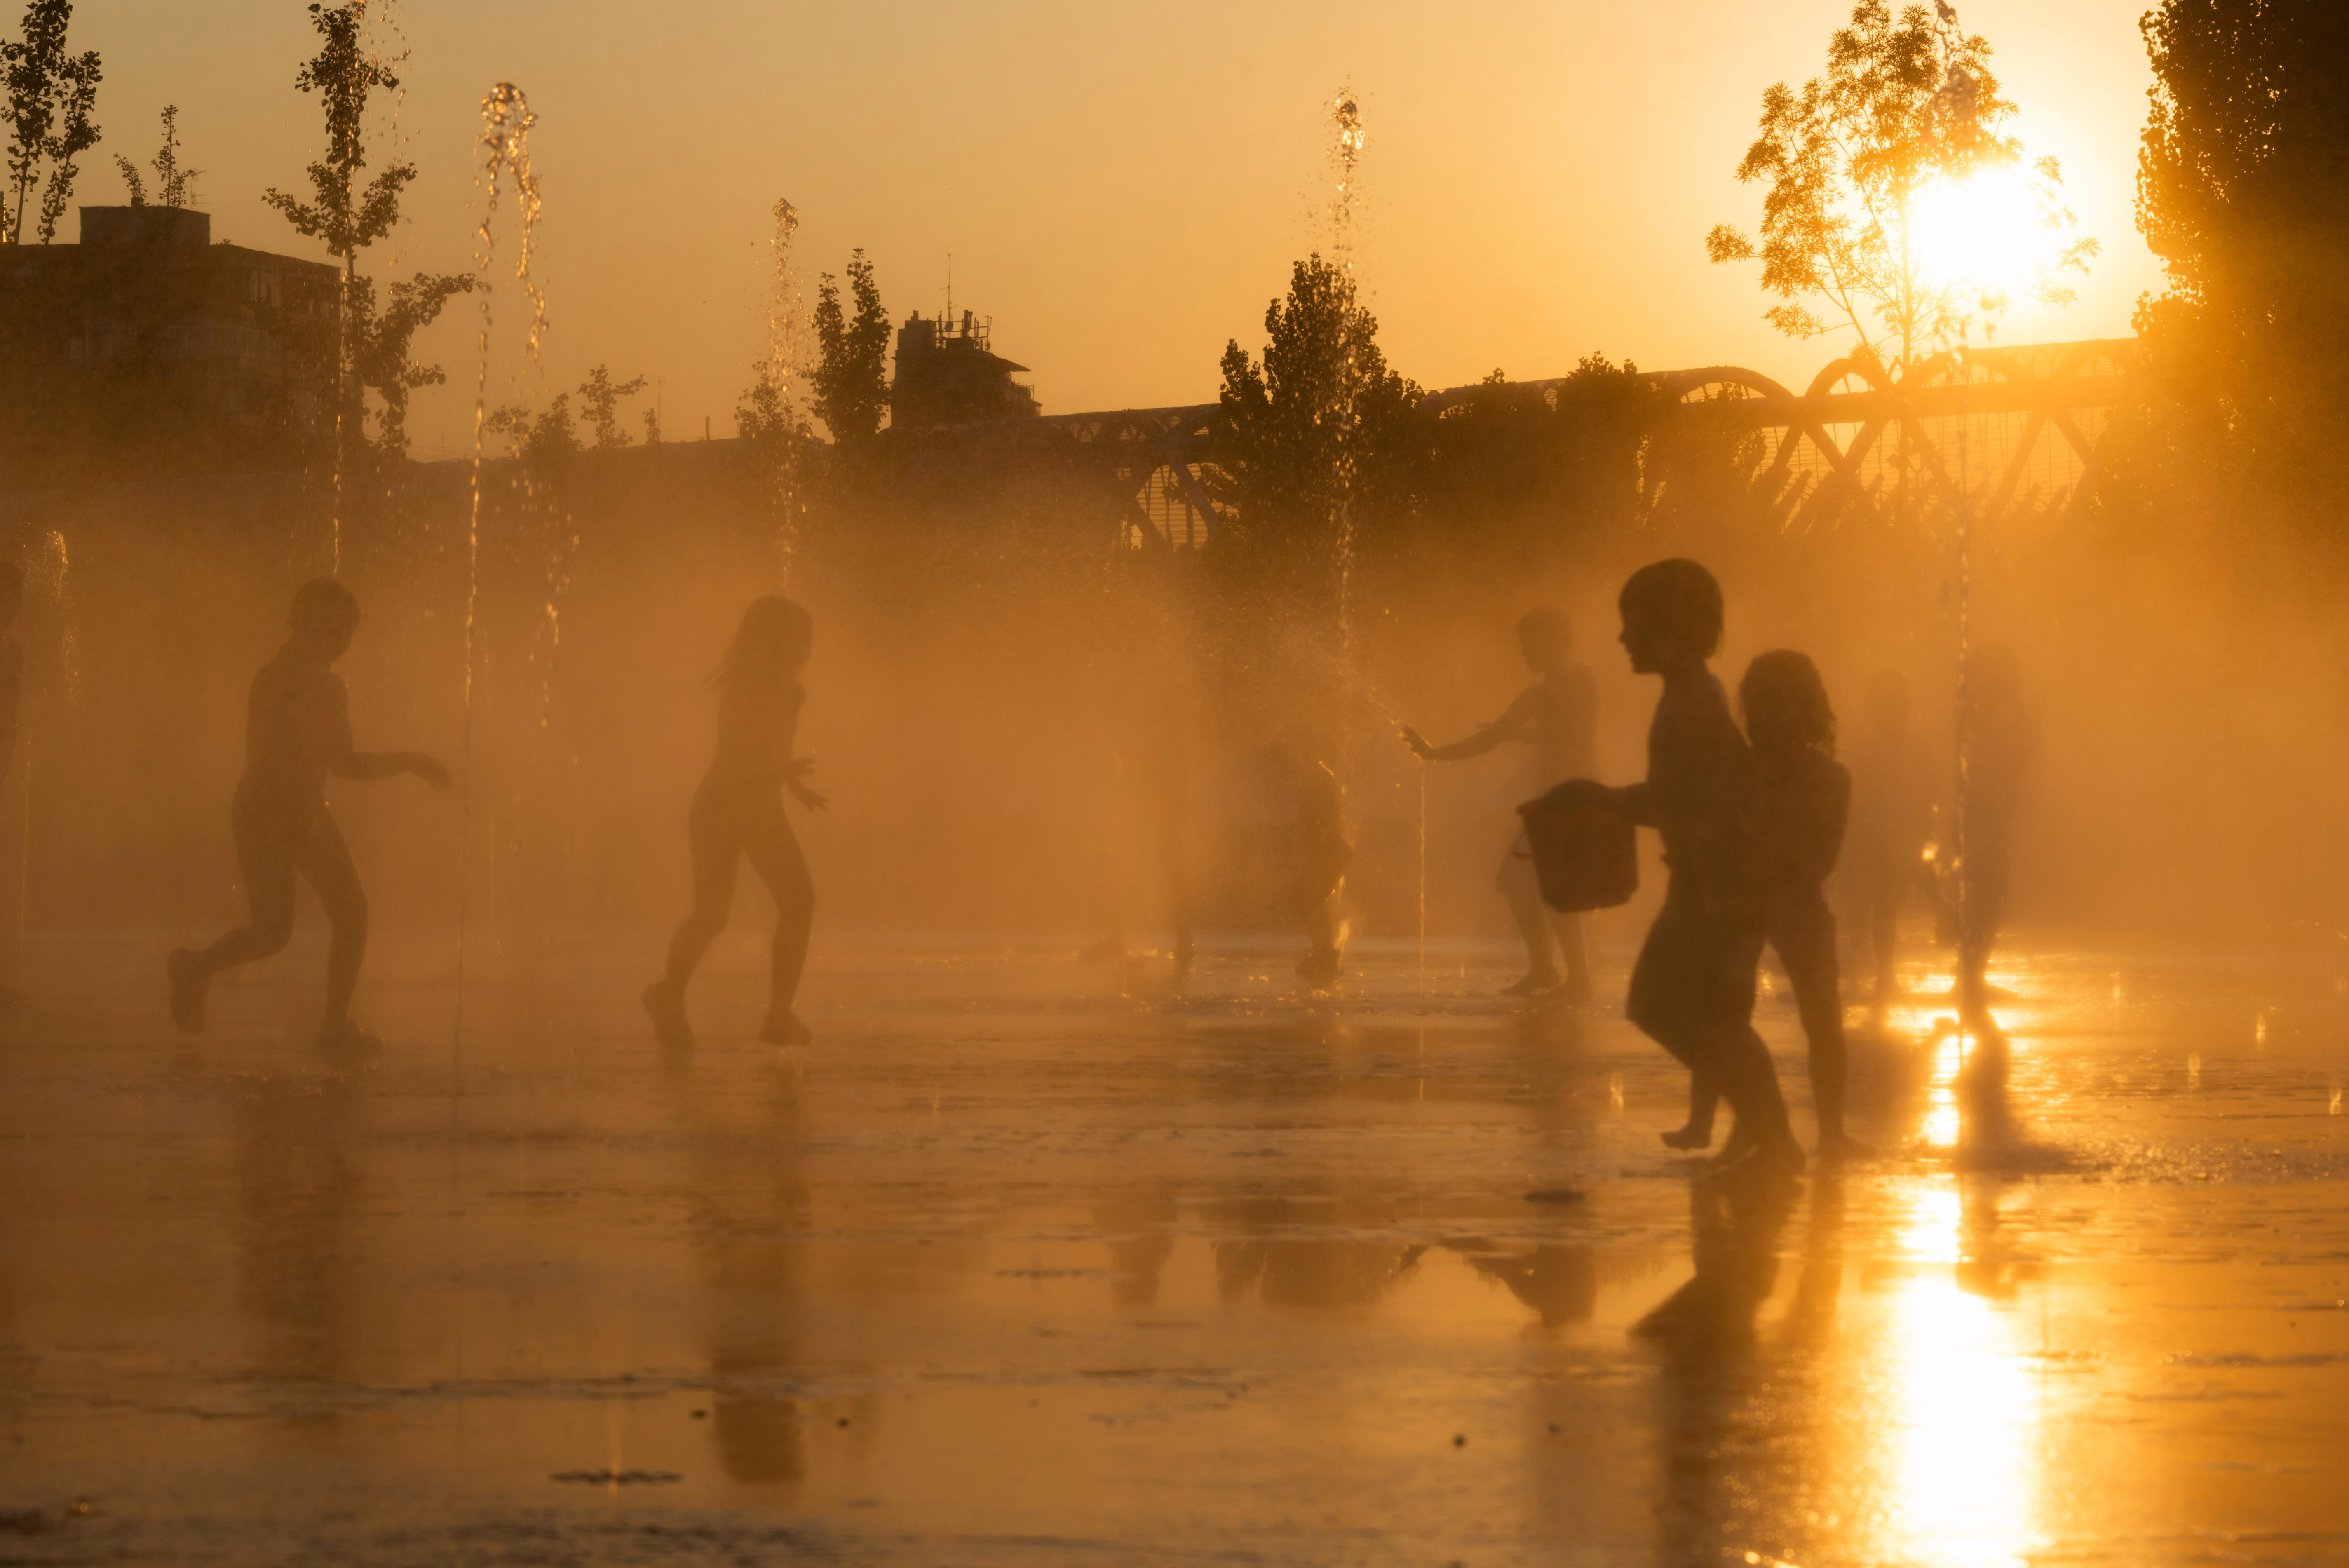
1003 1270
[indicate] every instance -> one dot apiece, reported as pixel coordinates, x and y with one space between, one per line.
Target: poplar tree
851 381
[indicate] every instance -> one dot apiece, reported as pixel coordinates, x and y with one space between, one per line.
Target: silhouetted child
297 731
1999 743
738 814
1692 987
1319 858
1796 822
1558 717
1892 791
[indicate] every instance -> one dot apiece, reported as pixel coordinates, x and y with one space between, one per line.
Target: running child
297 731
738 814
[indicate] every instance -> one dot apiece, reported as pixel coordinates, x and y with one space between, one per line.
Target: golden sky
1121 186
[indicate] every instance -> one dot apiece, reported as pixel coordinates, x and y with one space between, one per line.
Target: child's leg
1704 1095
1804 934
325 862
773 851
1518 883
265 857
717 846
1574 944
1693 992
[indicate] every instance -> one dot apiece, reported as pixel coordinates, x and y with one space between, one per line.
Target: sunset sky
1121 187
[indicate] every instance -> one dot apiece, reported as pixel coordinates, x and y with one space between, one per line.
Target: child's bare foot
188 984
1536 982
666 1004
784 1028
1689 1137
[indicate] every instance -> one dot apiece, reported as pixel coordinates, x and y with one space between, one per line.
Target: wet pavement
1007 1270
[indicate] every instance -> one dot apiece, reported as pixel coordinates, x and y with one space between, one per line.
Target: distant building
148 337
947 375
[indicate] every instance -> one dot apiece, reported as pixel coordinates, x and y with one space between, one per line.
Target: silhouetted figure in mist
1999 743
738 814
1795 822
1558 717
1892 792
297 731
1319 856
1692 987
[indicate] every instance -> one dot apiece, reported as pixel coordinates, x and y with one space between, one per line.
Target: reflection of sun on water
1967 1414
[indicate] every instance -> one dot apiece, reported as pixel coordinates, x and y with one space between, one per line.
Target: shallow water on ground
1008 1267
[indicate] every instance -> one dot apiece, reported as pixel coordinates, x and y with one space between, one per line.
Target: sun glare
1981 232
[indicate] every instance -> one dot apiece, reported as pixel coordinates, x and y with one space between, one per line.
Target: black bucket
1584 857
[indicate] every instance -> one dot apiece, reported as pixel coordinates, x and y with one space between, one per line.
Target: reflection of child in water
298 731
737 816
1558 718
1692 987
1794 823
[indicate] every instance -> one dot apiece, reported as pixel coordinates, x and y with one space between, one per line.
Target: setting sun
1983 232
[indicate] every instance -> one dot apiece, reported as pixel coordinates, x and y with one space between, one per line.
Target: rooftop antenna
950 315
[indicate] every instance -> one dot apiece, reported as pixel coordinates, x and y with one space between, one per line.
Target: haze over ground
1122 188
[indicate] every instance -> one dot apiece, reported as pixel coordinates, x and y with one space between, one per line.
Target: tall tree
1322 411
1906 100
174 186
50 96
370 351
2243 192
851 379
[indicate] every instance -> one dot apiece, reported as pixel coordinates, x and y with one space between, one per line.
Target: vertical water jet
503 147
784 321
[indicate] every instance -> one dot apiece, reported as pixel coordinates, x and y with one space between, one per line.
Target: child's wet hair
1681 596
1786 703
322 604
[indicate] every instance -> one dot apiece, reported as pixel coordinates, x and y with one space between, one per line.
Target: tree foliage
378 346
1906 100
600 396
174 186
2243 192
851 381
343 216
1319 420
50 96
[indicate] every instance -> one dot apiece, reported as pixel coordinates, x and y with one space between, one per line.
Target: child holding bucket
1693 987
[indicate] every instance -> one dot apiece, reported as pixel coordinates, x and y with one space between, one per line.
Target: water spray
504 149
783 319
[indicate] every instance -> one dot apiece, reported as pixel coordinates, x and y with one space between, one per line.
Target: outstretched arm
345 762
1512 725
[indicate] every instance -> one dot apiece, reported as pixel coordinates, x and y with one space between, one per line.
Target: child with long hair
1800 799
738 814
